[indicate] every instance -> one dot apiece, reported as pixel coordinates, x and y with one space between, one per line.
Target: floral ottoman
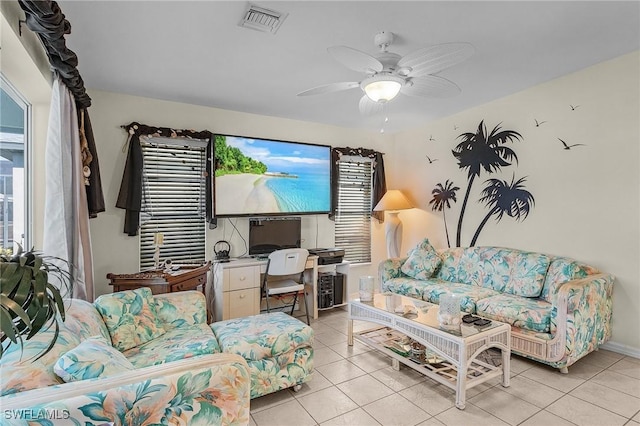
277 347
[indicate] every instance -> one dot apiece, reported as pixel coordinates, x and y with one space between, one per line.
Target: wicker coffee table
451 356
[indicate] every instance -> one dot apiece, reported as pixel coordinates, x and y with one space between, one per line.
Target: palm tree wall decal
503 197
481 151
442 197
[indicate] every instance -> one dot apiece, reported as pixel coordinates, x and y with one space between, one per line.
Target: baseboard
621 349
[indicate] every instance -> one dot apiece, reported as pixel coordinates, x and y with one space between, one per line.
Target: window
353 214
173 204
15 116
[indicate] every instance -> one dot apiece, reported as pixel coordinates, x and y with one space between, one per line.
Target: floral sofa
559 309
136 358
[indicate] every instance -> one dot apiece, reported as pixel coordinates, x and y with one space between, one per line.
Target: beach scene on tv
259 176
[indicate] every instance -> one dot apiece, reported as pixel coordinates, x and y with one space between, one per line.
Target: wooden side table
187 277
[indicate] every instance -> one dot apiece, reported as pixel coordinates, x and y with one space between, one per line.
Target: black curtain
130 195
379 180
47 20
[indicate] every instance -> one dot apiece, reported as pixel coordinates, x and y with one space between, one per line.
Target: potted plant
29 300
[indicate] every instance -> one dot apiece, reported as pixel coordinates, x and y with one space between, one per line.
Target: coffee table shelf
457 351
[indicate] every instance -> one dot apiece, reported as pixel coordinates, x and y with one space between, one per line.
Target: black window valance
45 18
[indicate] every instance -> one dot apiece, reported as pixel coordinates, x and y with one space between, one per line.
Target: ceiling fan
389 73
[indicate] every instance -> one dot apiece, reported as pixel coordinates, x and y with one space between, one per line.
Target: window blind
173 201
353 214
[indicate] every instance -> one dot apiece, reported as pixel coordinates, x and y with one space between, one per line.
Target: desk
188 277
236 285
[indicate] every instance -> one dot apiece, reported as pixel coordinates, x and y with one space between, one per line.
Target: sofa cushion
181 308
562 270
20 371
262 336
523 312
92 358
512 271
505 270
468 294
130 317
409 287
82 319
423 261
178 343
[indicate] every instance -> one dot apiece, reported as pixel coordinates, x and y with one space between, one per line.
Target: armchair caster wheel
296 388
564 370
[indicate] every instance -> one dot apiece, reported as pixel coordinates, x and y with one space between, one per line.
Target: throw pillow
423 261
92 358
130 317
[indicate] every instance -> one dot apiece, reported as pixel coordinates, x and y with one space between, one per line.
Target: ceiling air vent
261 19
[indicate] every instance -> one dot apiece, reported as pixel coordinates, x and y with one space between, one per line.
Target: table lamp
392 201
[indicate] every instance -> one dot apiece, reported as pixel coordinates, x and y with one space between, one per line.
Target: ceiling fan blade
430 86
328 88
368 107
433 59
355 59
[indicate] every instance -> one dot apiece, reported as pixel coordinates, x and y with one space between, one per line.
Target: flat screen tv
269 234
270 177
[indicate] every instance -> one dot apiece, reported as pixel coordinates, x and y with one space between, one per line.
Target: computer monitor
269 234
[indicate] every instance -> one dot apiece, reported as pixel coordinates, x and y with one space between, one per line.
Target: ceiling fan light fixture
382 88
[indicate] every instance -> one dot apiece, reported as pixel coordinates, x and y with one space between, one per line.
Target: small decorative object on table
366 288
449 311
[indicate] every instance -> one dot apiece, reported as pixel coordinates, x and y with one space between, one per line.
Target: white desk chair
282 263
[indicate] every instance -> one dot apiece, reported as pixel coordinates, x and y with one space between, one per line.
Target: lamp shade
393 199
382 88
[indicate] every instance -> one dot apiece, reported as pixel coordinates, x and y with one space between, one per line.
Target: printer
328 256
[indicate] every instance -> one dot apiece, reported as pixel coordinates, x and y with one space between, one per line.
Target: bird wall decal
574 107
431 138
430 160
568 147
539 123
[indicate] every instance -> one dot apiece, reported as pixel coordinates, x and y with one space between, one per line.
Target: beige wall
116 252
586 199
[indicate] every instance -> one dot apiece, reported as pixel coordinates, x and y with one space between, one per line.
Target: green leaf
208 415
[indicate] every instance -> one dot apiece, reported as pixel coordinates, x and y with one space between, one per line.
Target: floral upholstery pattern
423 261
522 312
405 286
83 320
130 317
504 270
194 385
469 295
262 336
459 265
280 372
18 370
94 357
180 309
560 309
178 343
589 314
277 347
389 269
209 390
562 270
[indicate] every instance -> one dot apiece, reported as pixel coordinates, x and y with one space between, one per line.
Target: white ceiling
195 52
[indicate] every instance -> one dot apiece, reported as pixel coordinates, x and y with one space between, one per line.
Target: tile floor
356 386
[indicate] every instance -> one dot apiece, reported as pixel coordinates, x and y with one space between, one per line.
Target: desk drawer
243 303
241 278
